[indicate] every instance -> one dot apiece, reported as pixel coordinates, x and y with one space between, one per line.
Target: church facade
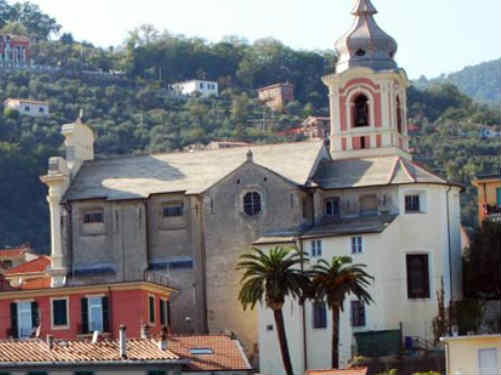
183 219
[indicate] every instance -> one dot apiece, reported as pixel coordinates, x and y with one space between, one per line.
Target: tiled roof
80 351
35 284
227 353
140 176
39 264
15 252
375 171
350 371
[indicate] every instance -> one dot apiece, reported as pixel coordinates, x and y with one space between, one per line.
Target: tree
334 282
482 263
39 25
272 277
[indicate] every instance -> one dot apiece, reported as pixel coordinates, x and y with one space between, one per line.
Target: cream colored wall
385 257
463 354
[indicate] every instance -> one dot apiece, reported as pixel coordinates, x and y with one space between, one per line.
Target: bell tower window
361 111
399 115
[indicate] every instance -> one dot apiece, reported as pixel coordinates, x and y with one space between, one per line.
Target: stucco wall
463 353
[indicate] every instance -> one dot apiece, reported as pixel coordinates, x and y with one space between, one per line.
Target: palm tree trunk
335 337
282 339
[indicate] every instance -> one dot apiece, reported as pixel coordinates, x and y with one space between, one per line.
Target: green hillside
481 82
133 112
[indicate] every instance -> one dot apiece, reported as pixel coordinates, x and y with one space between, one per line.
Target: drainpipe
203 260
147 229
299 242
69 237
450 251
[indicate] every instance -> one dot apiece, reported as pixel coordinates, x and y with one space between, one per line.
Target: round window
252 203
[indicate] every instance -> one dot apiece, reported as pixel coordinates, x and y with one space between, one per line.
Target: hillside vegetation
481 82
135 114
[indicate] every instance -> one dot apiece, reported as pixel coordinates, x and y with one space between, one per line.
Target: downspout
203 261
450 251
299 242
69 236
147 235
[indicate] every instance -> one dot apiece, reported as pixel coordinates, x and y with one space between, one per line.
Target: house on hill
14 50
28 107
277 96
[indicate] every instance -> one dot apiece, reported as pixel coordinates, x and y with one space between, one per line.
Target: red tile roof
35 284
350 371
227 353
37 265
15 252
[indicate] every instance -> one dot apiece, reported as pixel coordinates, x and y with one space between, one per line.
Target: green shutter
106 314
85 316
34 314
162 312
13 319
498 193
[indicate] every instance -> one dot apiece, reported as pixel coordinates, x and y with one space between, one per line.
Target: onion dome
366 44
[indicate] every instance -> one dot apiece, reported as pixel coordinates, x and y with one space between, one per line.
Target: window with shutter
60 313
13 320
418 277
106 314
357 314
95 314
319 315
85 316
151 300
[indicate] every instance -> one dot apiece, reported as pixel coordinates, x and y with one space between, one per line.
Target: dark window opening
399 116
363 144
360 53
412 203
269 327
173 210
418 276
319 315
361 111
59 308
6 264
152 309
93 217
332 207
357 314
252 204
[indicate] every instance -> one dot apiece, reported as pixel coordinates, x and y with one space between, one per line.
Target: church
179 221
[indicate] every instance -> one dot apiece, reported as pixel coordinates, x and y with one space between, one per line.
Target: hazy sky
434 36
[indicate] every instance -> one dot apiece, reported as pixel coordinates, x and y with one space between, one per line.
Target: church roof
140 176
375 171
365 44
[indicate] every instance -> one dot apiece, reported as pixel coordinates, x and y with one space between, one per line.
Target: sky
434 36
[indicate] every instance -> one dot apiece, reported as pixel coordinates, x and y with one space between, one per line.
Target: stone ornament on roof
366 44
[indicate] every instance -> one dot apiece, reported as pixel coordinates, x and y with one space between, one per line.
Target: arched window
399 115
361 111
252 203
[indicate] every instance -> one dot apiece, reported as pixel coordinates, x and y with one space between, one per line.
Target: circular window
360 52
252 203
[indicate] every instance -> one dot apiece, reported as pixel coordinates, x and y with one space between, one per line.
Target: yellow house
489 197
473 354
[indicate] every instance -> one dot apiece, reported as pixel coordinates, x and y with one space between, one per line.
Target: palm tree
273 277
335 281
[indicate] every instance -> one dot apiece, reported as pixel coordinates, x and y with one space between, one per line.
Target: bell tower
368 92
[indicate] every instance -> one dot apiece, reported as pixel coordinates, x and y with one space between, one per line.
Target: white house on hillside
205 88
371 202
34 108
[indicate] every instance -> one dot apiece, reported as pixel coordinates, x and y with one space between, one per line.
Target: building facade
14 50
277 96
12 257
371 202
28 107
489 197
204 88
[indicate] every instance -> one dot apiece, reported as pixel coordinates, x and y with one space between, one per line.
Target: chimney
50 342
163 343
145 331
122 337
250 156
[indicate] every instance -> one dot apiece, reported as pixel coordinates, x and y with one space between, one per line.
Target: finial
250 155
80 116
364 7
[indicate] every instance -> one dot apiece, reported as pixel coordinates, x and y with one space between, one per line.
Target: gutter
203 260
24 365
147 228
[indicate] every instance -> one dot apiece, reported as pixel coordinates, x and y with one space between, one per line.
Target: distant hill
481 82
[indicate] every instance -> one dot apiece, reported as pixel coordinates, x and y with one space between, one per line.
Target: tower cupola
366 44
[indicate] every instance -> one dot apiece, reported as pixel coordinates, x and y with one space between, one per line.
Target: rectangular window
357 245
26 108
41 110
95 314
418 276
60 313
173 209
332 207
164 312
357 314
151 300
319 315
24 320
316 248
412 203
498 195
93 217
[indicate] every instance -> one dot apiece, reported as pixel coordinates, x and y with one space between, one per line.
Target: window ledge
415 212
89 335
60 328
